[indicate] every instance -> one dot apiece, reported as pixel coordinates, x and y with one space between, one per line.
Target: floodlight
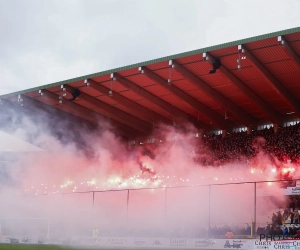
141 70
87 83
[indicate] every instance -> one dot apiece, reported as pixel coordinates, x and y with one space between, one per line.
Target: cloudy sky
48 41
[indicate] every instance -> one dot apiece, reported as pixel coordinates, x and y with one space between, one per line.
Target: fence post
127 208
254 221
166 189
209 190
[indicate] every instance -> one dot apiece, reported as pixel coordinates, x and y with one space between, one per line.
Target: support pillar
223 133
249 130
275 128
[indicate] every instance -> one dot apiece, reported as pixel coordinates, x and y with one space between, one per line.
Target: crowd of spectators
283 145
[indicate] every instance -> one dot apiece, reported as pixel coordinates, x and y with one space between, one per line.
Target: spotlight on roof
20 100
216 65
141 70
75 93
86 82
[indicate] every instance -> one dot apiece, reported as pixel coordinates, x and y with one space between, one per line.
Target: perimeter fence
185 211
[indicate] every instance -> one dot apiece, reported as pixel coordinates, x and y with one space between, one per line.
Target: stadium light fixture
63 89
242 56
20 100
86 83
280 40
112 78
171 66
205 56
141 70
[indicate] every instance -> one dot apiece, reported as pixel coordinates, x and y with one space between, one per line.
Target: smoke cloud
87 178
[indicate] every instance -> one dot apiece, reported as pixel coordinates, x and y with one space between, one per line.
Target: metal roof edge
161 59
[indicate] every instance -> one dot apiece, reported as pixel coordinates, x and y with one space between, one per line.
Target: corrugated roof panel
295 90
246 74
90 91
159 65
230 62
141 80
177 102
229 90
258 85
115 85
185 85
240 99
216 80
262 43
267 94
209 102
280 105
107 100
149 105
198 94
293 36
253 110
76 84
46 100
296 47
189 59
282 67
103 112
158 90
198 68
102 78
290 79
84 103
30 94
129 72
271 54
168 73
54 89
224 51
131 95
130 111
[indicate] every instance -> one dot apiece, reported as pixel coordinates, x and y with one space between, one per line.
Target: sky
43 42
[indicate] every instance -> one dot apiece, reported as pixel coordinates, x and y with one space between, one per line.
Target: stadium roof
241 83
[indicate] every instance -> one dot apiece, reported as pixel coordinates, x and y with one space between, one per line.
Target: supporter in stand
285 215
279 218
285 230
292 230
296 217
284 145
278 230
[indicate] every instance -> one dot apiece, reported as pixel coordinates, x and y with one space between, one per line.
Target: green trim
162 59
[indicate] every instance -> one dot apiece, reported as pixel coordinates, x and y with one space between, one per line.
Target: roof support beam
136 108
118 114
92 116
247 119
175 112
198 106
289 51
277 85
274 116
